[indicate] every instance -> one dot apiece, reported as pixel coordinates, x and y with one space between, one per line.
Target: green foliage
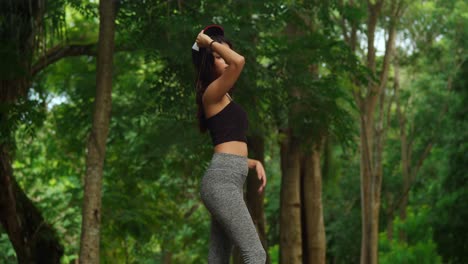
273 252
27 113
419 248
52 181
342 215
8 253
449 217
272 197
155 157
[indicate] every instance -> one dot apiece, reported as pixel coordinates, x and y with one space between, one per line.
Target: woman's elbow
240 61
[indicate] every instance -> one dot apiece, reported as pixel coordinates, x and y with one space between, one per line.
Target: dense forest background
357 109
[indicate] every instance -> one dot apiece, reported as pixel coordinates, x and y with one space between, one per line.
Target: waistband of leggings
231 162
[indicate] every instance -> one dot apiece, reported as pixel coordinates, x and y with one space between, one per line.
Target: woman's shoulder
212 109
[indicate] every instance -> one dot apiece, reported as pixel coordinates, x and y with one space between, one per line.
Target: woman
218 68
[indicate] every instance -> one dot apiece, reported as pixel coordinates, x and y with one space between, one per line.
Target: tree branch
389 110
389 49
413 177
423 157
61 51
341 21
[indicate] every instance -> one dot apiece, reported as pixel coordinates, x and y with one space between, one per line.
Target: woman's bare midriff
232 147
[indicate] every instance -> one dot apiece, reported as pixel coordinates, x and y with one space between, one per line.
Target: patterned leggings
231 224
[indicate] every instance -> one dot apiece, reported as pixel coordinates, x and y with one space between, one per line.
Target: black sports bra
229 124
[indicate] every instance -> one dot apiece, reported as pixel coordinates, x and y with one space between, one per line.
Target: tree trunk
389 214
302 232
33 240
90 232
290 207
314 229
409 170
368 255
254 200
372 132
256 142
405 163
167 257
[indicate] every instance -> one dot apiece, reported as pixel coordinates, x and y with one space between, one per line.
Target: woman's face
219 63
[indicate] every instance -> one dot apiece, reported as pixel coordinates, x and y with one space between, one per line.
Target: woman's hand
261 176
203 40
260 173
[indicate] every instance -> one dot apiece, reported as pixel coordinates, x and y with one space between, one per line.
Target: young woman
218 68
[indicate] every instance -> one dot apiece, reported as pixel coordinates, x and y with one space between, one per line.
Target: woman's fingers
262 177
264 180
262 186
203 40
198 39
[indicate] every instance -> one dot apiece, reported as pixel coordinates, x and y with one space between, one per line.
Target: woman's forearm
230 56
252 163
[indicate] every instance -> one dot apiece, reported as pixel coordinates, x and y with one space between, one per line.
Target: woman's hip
226 173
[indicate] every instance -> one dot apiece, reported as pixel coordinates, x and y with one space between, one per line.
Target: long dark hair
203 61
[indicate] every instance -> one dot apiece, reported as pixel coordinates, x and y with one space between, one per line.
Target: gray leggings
222 193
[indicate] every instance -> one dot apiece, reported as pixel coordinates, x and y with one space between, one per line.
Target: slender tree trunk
254 199
314 228
409 171
290 207
90 232
328 161
389 215
366 201
405 163
167 257
372 132
256 142
365 162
